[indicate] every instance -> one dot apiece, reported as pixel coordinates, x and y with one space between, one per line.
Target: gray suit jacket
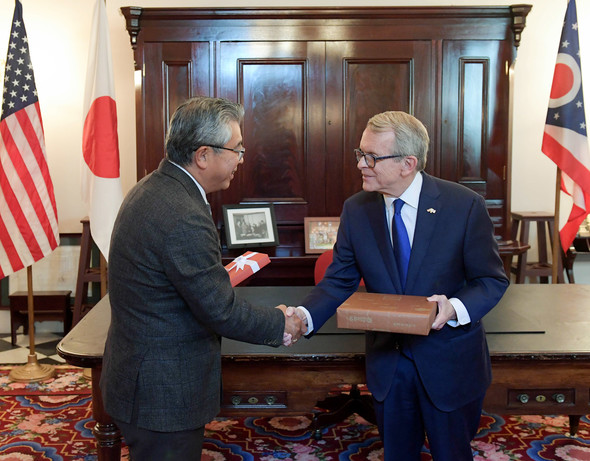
171 301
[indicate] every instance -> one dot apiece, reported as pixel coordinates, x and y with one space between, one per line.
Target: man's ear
200 157
409 164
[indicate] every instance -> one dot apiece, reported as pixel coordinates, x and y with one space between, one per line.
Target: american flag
28 213
565 139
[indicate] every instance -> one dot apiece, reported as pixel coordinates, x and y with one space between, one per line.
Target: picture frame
320 233
250 225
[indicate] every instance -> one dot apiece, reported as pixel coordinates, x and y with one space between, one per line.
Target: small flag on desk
28 212
565 140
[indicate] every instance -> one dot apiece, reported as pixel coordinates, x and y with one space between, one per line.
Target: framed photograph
320 234
250 225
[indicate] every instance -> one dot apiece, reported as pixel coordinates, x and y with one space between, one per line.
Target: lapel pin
431 210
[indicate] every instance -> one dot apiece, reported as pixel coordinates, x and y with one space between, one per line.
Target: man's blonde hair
411 137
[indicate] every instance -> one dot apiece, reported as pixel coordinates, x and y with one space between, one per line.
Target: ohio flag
101 182
565 140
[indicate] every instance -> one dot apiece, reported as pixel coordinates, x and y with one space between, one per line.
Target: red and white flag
28 213
565 140
101 182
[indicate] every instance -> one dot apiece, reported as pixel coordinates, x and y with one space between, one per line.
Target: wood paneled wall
310 78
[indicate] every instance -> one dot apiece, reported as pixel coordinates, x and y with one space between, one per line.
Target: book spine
383 321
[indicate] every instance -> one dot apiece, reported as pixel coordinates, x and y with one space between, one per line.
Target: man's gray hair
411 137
200 121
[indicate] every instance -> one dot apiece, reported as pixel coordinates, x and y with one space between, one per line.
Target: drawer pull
236 400
559 398
270 399
523 398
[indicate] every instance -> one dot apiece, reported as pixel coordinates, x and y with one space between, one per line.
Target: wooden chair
322 263
86 275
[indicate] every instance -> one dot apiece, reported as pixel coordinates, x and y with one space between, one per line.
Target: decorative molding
519 14
132 15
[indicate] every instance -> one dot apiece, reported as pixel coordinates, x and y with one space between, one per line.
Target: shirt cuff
461 311
309 320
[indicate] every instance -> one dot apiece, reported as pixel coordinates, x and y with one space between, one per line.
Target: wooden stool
86 274
543 269
47 305
508 250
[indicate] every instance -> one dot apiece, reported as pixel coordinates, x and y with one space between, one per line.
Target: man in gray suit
171 298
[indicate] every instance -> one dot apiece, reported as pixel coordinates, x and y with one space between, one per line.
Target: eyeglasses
240 152
371 159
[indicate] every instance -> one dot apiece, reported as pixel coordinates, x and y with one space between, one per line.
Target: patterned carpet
53 420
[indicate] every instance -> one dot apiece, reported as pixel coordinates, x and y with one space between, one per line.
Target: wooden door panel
281 85
474 100
363 79
174 72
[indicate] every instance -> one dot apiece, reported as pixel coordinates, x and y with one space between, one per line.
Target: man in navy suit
421 385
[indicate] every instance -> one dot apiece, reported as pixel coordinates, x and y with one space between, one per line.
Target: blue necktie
401 242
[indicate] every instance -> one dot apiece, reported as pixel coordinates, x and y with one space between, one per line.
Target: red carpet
53 420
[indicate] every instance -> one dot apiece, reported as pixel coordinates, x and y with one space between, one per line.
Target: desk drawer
535 398
262 400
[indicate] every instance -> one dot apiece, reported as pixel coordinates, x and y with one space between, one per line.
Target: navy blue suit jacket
454 253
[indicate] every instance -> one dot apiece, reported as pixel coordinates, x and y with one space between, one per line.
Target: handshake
295 324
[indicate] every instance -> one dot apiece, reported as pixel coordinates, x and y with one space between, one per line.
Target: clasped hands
295 324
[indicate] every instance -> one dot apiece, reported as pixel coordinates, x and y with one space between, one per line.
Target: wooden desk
538 338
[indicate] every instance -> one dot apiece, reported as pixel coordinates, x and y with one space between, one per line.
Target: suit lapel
377 217
429 207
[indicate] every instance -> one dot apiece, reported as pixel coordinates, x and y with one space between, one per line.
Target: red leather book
246 265
384 312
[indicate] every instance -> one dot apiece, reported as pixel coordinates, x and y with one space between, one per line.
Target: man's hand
294 327
446 311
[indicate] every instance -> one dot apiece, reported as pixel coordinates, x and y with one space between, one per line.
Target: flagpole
555 246
32 371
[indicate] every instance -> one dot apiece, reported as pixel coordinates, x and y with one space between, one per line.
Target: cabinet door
281 85
174 72
475 92
363 79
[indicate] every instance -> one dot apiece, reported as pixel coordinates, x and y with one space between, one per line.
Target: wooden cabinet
310 78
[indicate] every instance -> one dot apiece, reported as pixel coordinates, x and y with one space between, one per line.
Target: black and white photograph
250 225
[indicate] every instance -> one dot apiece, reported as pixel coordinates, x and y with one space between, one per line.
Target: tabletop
530 320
